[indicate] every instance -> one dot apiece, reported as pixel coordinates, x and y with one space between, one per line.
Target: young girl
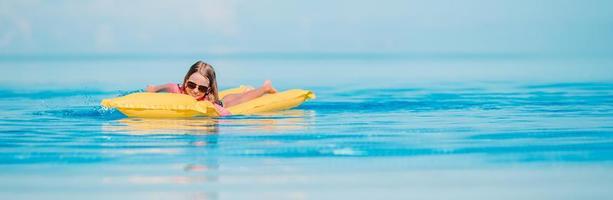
200 83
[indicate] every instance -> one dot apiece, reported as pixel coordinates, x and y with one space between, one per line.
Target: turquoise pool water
381 128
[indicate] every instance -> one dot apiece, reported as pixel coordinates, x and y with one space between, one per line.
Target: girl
200 83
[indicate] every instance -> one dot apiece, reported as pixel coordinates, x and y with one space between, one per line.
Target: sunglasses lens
191 85
203 89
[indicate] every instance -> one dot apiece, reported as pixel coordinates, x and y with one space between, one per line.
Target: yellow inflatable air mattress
170 105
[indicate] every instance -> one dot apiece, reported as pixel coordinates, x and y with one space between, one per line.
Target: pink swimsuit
175 88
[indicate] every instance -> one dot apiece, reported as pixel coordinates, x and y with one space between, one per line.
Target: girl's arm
170 87
154 88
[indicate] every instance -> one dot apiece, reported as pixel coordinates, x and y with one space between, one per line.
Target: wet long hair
207 71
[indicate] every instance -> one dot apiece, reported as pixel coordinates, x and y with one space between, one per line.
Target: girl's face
196 86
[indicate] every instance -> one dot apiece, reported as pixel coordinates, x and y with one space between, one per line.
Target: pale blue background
248 26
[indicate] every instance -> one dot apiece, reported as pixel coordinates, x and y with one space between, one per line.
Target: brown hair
207 71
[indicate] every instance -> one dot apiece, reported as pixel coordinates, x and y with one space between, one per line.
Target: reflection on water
201 169
139 126
289 120
280 121
204 149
